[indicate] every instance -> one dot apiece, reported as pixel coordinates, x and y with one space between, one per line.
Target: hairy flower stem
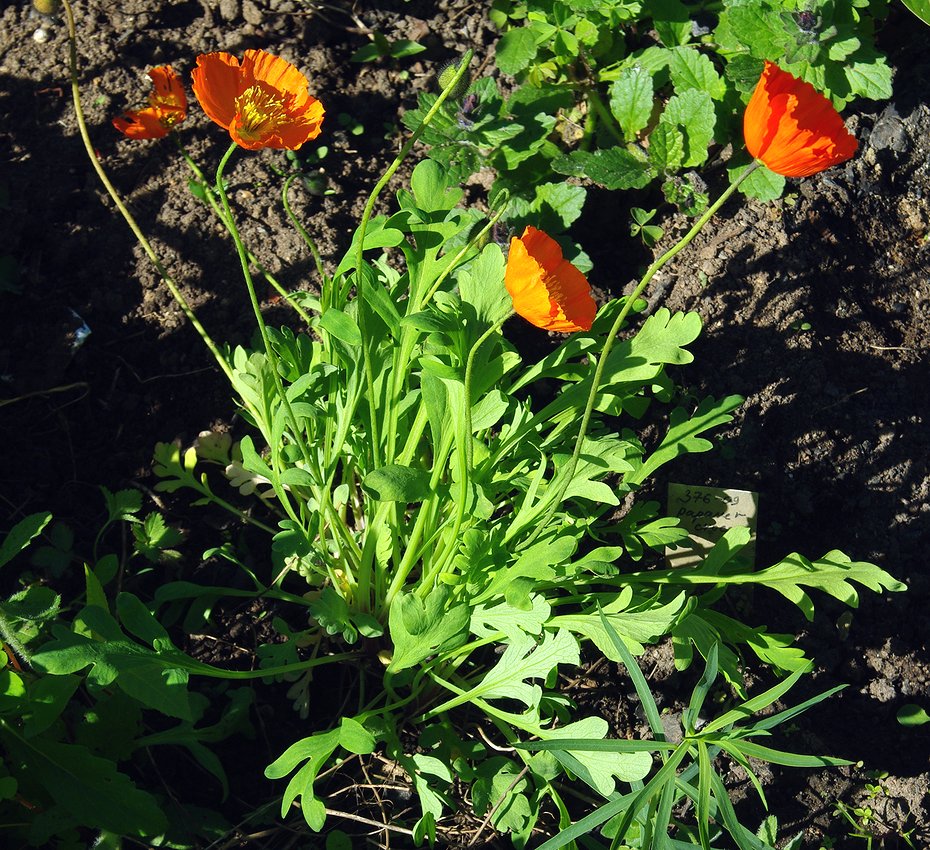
118 201
348 547
651 272
210 197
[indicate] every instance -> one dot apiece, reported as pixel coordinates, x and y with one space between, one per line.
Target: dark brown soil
833 435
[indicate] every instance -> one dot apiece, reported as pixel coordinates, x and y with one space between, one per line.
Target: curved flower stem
326 283
408 145
611 338
118 201
346 544
210 196
463 251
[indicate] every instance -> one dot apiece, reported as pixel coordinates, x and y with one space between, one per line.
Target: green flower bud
446 74
47 7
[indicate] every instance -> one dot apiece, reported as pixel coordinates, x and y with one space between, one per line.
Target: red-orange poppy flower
263 103
167 107
547 290
792 128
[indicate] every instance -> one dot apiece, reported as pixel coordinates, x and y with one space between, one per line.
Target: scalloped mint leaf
597 769
693 112
753 27
762 184
420 628
672 21
869 76
666 148
631 100
515 50
558 204
690 69
612 168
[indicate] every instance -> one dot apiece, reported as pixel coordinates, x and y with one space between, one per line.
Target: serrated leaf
631 100
672 21
613 168
515 50
692 111
691 69
666 148
871 78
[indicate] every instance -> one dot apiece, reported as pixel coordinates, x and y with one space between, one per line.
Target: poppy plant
547 290
167 107
263 102
792 128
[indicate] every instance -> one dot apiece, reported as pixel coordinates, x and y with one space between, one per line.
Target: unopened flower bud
47 7
447 73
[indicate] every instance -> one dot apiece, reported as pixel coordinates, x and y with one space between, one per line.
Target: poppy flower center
259 112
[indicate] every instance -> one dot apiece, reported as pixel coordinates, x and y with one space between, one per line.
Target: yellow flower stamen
260 112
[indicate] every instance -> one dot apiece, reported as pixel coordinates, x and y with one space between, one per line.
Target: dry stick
497 805
124 211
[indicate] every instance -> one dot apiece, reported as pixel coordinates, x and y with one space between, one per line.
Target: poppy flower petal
142 124
263 103
792 128
546 289
168 89
217 85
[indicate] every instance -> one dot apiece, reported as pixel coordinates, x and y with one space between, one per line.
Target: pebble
251 13
229 10
40 36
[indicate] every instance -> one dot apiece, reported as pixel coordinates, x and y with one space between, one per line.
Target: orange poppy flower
263 103
792 128
547 290
167 107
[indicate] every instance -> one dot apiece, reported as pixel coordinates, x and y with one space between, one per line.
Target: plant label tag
706 513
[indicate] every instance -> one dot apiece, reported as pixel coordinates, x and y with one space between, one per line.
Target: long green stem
466 461
210 196
374 425
118 201
651 272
